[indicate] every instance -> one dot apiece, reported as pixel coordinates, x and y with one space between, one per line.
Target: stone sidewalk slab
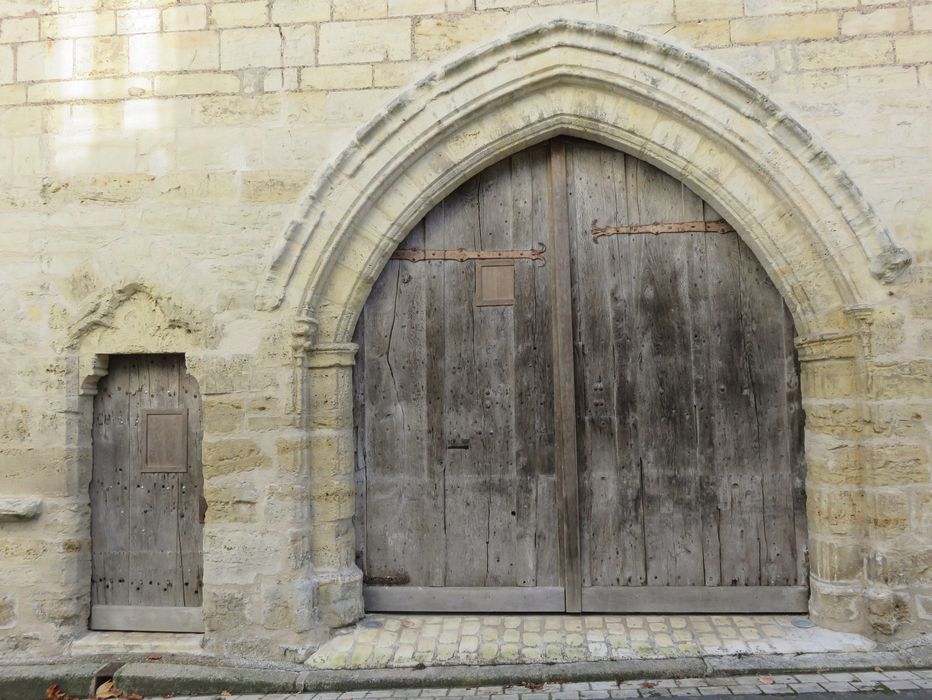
404 641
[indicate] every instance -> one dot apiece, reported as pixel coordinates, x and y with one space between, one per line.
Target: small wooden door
146 502
619 430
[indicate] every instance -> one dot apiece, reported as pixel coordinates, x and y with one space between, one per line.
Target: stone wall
152 155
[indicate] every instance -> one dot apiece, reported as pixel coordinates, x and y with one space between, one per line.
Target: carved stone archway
817 237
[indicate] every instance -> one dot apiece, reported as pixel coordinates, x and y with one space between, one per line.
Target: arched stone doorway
810 228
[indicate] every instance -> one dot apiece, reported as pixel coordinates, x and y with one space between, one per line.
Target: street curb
155 678
30 681
512 674
150 679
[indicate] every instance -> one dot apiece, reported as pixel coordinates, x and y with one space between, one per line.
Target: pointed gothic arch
812 229
817 237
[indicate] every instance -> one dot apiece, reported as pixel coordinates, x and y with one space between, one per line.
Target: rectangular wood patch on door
495 283
165 440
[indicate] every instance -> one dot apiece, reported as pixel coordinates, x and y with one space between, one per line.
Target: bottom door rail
695 599
453 599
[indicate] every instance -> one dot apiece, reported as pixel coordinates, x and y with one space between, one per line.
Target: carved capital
331 355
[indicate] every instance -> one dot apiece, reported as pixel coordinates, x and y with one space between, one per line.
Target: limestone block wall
152 154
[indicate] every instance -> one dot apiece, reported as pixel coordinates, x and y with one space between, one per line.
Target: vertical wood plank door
689 419
145 494
621 432
456 490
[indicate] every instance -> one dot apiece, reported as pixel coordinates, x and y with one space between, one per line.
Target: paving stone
811 678
398 641
870 676
775 689
604 685
839 677
866 685
901 675
745 690
839 687
807 688
900 685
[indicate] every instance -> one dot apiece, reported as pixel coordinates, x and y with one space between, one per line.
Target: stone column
260 593
832 388
895 454
329 411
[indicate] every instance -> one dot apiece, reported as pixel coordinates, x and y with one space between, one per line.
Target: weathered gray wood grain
146 531
630 423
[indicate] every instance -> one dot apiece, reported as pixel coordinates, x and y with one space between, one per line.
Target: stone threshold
103 643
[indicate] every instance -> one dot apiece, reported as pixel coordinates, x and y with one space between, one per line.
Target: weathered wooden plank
155 556
190 527
696 599
762 309
539 385
592 195
564 385
395 428
360 440
666 436
536 527
794 438
466 498
735 435
501 599
152 618
435 522
702 393
495 377
110 489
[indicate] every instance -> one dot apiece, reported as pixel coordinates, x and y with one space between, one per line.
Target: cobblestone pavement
887 683
396 641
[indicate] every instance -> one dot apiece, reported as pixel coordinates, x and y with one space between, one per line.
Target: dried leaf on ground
531 685
107 690
648 684
154 657
54 692
766 680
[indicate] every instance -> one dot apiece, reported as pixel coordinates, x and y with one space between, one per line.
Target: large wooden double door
560 409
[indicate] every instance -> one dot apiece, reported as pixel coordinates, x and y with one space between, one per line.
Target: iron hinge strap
657 229
462 255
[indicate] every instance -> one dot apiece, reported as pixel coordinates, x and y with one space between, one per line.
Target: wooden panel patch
165 439
463 599
696 599
136 618
495 283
